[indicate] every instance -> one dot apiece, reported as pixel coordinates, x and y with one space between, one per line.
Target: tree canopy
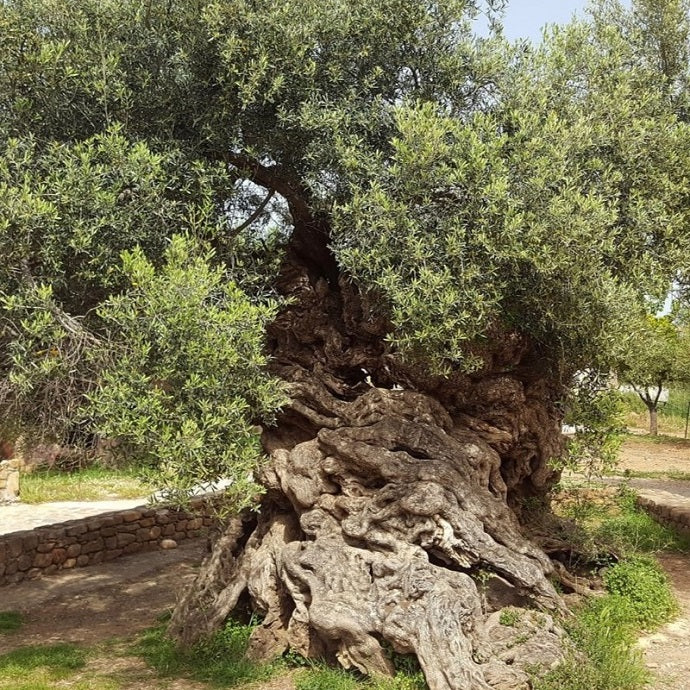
657 354
348 255
478 193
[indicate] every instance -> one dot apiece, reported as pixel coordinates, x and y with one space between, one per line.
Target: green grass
605 630
219 661
510 617
327 679
631 530
90 484
677 475
634 531
604 656
10 621
324 678
660 439
639 597
614 524
42 667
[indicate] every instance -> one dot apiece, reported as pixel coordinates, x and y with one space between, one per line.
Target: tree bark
653 420
389 518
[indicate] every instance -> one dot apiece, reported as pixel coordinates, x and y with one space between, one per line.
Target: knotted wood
389 518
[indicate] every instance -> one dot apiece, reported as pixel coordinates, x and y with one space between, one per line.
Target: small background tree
657 354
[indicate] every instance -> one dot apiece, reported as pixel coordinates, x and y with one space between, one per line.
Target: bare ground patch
639 454
90 605
103 608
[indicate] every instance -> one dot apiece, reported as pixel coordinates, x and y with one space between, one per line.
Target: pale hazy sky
524 18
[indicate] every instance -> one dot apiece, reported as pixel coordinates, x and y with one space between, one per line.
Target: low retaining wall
87 541
667 508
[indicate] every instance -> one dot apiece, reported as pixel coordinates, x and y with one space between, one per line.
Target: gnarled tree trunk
391 497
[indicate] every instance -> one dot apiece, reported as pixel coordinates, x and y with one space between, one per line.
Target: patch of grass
324 678
43 667
639 596
605 630
605 522
89 484
509 617
10 621
642 583
604 658
667 474
635 531
660 439
219 660
327 679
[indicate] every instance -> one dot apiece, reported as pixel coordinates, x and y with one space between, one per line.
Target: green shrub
183 379
642 582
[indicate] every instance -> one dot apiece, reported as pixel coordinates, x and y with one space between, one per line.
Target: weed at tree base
324 678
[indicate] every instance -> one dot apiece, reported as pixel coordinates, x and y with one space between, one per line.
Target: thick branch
257 212
273 177
311 235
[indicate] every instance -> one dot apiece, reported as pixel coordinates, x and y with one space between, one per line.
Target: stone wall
669 509
87 541
9 480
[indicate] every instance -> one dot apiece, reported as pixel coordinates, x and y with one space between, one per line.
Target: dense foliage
481 192
184 371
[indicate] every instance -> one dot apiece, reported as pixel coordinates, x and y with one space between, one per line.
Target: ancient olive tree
348 255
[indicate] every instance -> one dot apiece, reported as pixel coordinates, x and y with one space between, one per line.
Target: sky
525 18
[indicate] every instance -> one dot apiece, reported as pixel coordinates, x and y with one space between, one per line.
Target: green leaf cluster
183 377
535 214
656 353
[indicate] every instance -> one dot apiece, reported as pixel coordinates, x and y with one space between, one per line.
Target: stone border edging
667 508
86 541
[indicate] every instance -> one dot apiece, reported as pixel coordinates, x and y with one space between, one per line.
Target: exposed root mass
380 531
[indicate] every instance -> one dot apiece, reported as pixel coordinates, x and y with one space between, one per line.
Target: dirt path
89 605
667 651
642 455
104 608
